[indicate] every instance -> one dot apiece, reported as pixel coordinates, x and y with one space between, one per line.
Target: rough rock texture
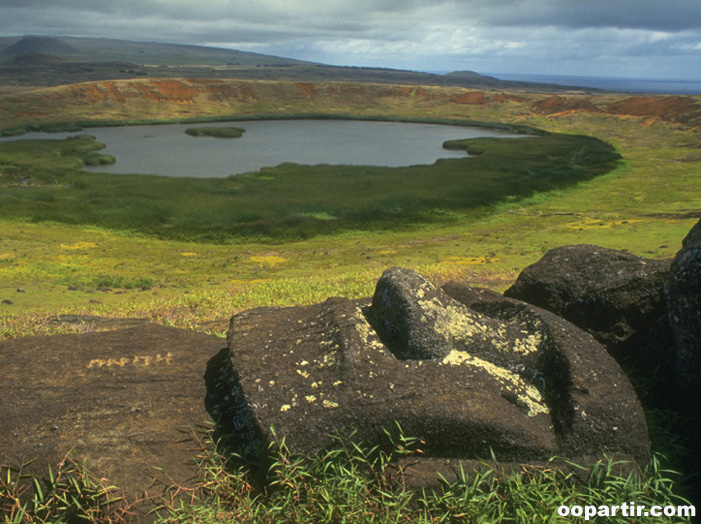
507 377
684 303
611 294
94 323
415 320
123 401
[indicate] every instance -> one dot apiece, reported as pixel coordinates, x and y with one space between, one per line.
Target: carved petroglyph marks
138 361
125 402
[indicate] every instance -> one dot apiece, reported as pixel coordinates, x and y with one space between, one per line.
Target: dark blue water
626 85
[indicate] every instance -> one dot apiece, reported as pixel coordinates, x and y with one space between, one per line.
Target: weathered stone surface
412 316
416 320
97 323
611 294
684 303
515 379
122 400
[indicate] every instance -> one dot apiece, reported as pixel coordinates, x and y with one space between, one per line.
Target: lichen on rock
468 371
525 394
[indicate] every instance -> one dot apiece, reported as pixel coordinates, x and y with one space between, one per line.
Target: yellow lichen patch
527 345
79 245
453 321
329 404
328 360
526 394
366 333
310 398
285 407
267 260
305 374
456 358
463 261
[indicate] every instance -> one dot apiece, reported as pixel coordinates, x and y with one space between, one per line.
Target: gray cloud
617 37
654 15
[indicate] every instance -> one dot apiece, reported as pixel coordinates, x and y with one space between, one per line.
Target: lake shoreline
169 151
17 132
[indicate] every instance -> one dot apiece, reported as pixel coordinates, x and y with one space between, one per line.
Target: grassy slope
630 209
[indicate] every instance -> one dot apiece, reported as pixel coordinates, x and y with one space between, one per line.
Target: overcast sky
626 38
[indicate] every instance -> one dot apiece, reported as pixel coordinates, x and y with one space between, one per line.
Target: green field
190 260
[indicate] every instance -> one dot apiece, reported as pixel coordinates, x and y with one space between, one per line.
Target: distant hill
49 61
141 53
39 44
469 75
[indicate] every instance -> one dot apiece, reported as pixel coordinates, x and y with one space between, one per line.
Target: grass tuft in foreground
68 493
347 483
354 483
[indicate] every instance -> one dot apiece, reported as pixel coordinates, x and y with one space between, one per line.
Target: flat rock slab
119 400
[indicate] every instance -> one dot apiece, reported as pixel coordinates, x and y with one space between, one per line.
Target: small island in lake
219 132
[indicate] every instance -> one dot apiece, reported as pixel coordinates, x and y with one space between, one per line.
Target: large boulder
507 377
122 401
611 294
684 303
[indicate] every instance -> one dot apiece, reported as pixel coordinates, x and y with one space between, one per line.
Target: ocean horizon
625 85
605 83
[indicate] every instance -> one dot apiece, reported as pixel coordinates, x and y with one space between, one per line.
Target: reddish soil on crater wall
172 97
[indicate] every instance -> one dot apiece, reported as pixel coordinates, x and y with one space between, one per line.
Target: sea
625 85
605 83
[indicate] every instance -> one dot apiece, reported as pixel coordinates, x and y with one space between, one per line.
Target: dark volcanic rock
657 361
122 401
416 320
611 294
684 303
407 309
509 377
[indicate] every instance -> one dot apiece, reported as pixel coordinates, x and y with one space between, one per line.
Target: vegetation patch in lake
218 132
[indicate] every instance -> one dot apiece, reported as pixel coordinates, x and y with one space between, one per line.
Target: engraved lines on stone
138 361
